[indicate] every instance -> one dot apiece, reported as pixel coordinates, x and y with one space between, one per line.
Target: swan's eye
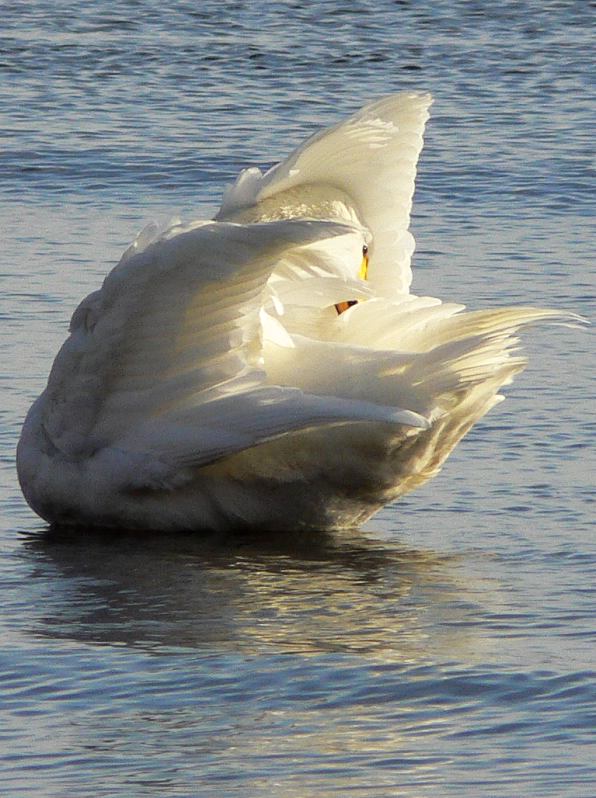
364 249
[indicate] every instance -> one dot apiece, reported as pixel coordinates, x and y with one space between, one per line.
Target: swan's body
211 383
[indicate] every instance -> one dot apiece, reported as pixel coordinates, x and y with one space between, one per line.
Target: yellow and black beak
363 275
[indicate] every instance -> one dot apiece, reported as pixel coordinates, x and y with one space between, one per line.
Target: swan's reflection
305 593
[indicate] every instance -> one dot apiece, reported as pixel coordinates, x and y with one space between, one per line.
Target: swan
270 368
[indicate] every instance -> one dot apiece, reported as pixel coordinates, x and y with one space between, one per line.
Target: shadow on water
304 593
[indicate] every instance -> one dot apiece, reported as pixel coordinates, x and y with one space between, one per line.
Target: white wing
362 169
163 366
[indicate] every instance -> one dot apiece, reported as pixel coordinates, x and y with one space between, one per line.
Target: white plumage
212 383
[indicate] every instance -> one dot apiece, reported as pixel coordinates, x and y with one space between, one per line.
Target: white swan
269 369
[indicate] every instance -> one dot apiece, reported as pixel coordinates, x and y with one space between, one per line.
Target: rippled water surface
448 648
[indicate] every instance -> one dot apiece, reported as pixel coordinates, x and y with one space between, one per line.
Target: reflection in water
223 705
305 594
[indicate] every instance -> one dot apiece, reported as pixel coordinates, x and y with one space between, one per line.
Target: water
448 648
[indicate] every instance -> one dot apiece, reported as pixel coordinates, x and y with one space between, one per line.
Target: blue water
448 648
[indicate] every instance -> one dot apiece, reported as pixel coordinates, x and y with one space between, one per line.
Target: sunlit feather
270 369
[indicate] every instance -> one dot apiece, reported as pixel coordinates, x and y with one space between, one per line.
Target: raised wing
163 370
362 169
170 326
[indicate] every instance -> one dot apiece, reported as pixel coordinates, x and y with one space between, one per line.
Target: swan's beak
363 275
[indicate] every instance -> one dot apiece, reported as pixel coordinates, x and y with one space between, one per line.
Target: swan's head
331 271
343 256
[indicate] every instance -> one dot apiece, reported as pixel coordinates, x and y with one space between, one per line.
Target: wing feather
365 167
163 367
175 320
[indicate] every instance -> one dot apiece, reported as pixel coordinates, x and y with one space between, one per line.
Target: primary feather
213 383
362 170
